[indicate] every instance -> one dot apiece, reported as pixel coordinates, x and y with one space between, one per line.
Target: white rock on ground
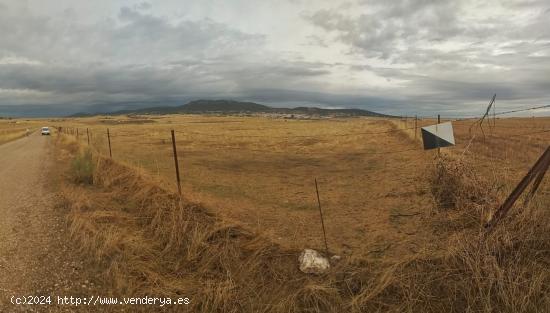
312 262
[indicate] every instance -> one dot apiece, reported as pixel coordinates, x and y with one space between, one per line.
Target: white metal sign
438 136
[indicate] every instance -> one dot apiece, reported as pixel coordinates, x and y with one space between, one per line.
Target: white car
45 131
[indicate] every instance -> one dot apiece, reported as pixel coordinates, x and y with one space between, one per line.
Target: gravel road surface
36 255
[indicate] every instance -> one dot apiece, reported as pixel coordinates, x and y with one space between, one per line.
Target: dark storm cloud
287 97
147 81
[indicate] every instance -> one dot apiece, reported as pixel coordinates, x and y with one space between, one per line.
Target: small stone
312 262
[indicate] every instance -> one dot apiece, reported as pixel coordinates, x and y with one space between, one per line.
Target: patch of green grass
82 168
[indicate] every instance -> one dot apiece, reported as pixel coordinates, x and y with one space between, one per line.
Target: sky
403 57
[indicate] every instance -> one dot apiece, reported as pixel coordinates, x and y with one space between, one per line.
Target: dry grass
14 129
259 173
151 242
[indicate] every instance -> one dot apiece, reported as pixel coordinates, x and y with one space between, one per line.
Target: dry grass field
259 172
15 129
406 222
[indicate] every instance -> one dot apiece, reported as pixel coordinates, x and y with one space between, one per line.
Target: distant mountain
233 107
223 106
319 111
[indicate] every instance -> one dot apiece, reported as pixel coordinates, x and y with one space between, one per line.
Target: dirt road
35 253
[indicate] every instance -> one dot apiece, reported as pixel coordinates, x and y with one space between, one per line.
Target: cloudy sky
401 56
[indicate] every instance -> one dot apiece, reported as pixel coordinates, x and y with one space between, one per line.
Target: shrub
456 185
82 168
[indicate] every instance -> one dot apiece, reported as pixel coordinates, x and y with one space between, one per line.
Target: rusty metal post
88 135
322 219
109 140
176 163
538 171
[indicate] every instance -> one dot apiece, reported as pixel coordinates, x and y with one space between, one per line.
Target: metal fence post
322 219
438 122
415 126
176 163
109 140
535 173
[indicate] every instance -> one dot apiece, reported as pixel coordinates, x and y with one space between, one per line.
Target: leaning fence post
176 163
535 173
322 219
109 140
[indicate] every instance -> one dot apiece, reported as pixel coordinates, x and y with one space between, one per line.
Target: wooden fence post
176 163
88 135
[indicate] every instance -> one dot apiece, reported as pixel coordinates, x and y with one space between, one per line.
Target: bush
82 168
456 185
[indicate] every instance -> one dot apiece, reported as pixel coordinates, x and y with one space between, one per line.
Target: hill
233 107
223 106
